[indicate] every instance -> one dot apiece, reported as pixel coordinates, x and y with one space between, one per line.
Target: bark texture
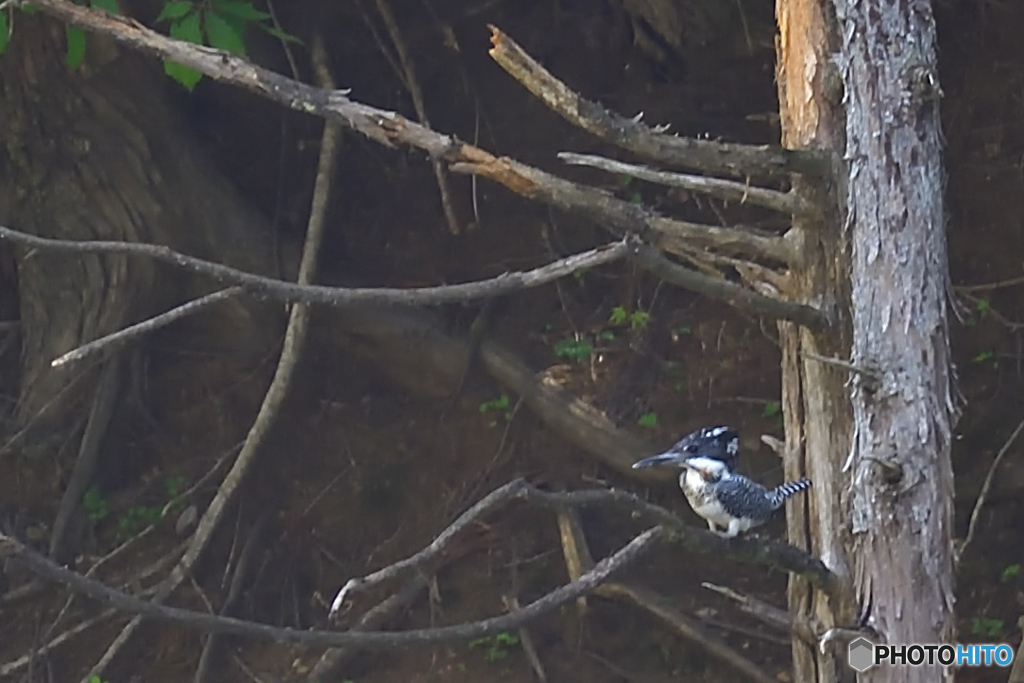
95 154
901 512
863 82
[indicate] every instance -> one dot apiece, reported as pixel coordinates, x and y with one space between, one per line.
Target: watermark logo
863 654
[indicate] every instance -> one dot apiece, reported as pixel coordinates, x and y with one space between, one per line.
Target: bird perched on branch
711 486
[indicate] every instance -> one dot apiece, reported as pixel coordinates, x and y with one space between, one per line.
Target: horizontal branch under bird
703 155
390 129
729 190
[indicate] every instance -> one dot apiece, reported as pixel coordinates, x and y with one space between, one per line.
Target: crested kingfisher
713 489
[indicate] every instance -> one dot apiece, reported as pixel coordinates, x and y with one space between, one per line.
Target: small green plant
496 647
636 320
573 349
498 405
987 628
95 504
649 420
986 357
221 24
95 678
773 411
138 518
1011 572
983 307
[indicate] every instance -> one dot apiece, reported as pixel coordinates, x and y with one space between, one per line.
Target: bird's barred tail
784 491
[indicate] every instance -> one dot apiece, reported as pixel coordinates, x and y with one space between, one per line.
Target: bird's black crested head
717 443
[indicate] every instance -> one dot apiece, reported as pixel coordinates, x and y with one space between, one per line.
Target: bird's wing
742 497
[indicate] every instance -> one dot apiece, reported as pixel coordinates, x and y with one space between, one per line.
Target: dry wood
703 155
728 190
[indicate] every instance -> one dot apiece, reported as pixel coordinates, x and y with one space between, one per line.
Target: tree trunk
95 154
875 439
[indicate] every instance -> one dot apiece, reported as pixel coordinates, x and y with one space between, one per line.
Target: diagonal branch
749 549
631 134
723 290
14 550
336 296
389 128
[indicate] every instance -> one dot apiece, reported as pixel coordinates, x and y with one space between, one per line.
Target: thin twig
784 202
146 326
413 85
13 550
337 296
989 286
983 496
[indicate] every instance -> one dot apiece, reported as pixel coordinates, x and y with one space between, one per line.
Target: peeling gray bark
901 513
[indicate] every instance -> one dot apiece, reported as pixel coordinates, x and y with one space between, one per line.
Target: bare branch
703 155
337 296
685 626
983 495
750 549
731 293
146 326
389 128
18 552
783 202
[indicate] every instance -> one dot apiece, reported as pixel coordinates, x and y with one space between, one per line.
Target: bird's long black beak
663 459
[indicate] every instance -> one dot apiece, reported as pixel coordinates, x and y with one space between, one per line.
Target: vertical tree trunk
863 83
901 511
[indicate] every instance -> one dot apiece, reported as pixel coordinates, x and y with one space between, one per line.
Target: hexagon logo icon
861 655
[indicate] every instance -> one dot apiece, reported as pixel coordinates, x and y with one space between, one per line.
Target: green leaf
223 35
110 6
5 32
240 9
76 46
648 420
175 9
184 75
188 29
1011 572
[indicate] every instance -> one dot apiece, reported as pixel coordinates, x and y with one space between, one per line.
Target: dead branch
412 84
146 326
723 290
578 559
729 190
703 155
688 628
329 665
294 338
389 128
336 296
749 549
983 495
13 550
88 459
769 614
241 575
